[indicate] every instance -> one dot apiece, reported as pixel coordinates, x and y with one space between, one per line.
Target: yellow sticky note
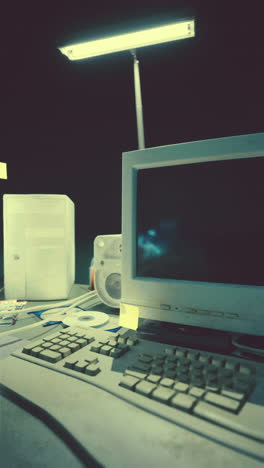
3 170
128 317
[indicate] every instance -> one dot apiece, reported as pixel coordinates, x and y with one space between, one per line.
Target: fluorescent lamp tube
172 32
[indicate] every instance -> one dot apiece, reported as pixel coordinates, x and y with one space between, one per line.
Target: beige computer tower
39 246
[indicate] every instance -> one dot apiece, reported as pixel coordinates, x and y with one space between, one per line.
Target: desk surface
84 426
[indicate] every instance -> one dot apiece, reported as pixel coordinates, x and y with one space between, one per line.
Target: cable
84 298
58 304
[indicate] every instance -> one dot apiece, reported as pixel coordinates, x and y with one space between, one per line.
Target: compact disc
57 313
87 319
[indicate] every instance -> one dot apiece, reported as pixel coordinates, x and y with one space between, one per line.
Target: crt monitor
193 233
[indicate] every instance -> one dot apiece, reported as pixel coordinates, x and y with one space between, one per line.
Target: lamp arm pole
138 101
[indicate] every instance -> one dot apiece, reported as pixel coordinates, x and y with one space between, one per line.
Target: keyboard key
66 332
145 358
169 366
73 347
123 346
170 373
221 400
116 353
181 353
205 358
79 334
154 378
217 361
183 377
105 350
158 370
145 388
28 348
193 355
80 365
198 382
167 382
65 352
242 387
171 359
82 342
47 344
122 339
233 366
71 339
163 394
233 394
157 363
183 369
159 356
50 356
112 343
96 347
211 379
244 370
69 363
103 341
36 351
183 401
197 365
88 338
131 341
249 378
128 381
114 337
137 374
197 392
184 361
197 373
169 351
92 369
226 372
56 340
141 366
211 369
64 342
212 387
55 347
181 387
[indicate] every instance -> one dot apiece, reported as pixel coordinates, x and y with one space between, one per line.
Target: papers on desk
9 311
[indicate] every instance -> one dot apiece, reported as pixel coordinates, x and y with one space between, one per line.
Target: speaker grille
113 285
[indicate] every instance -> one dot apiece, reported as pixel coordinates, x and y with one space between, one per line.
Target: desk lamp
132 41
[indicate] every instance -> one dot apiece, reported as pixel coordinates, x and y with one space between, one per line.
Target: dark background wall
64 125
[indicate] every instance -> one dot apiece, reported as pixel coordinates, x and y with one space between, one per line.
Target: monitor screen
202 222
193 233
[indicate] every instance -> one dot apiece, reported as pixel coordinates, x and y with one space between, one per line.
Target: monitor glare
193 233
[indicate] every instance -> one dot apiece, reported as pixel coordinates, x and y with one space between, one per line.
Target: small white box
39 246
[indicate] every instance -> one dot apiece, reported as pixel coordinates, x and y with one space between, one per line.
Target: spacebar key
248 422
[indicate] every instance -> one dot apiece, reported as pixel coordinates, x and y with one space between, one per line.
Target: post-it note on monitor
129 315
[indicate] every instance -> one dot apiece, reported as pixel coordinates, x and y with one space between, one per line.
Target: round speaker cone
113 285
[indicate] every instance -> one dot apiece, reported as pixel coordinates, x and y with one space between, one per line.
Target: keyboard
165 380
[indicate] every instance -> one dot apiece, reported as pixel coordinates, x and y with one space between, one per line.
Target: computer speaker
107 268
